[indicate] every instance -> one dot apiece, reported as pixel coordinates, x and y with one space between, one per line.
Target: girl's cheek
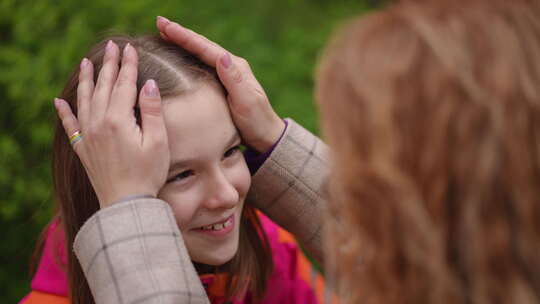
184 206
241 178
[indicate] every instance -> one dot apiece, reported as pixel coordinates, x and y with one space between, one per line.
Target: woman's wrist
270 138
132 197
120 198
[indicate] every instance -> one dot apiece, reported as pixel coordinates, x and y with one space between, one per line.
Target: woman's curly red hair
432 109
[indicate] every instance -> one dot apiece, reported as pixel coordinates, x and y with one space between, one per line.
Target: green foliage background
42 41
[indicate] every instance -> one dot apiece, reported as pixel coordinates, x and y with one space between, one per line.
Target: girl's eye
181 176
231 151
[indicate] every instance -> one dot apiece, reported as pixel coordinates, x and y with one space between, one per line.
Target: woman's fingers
124 93
152 121
245 93
163 36
161 23
206 50
259 125
233 74
235 80
69 121
85 90
105 82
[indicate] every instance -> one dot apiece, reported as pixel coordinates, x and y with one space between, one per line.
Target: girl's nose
221 193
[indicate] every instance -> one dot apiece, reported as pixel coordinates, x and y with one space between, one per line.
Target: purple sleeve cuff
255 159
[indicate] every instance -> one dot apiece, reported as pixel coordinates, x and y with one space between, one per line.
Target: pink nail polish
151 89
84 63
127 49
56 102
164 20
226 60
109 46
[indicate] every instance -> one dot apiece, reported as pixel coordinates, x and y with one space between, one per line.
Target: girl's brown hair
432 109
175 72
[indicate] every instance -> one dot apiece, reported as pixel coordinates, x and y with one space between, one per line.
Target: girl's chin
204 252
214 261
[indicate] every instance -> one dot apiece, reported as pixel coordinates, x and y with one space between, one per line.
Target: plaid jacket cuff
133 252
288 186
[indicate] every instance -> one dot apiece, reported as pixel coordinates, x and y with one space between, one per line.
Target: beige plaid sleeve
133 252
288 186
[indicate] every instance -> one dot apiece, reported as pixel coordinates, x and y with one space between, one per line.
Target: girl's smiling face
208 177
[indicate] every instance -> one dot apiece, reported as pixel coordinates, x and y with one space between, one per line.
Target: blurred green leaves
41 41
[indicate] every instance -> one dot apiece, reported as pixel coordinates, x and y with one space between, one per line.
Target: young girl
240 255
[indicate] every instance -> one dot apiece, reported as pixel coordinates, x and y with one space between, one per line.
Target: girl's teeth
218 226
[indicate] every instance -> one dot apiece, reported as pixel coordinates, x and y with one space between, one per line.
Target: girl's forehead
199 108
198 122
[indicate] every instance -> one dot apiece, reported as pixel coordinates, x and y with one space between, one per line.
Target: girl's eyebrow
180 163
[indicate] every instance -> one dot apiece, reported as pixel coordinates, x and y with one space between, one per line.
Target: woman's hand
252 113
121 158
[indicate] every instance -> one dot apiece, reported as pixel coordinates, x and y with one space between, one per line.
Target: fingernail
163 19
127 49
226 60
151 89
109 46
56 102
84 63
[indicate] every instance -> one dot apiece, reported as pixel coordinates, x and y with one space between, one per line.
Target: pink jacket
294 279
